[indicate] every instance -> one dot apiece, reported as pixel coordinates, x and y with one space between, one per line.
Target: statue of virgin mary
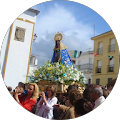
60 53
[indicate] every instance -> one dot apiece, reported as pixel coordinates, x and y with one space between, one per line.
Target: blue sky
73 19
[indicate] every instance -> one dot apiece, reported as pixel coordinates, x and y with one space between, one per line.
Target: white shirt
99 101
46 111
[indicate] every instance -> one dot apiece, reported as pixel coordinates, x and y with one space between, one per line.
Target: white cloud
58 18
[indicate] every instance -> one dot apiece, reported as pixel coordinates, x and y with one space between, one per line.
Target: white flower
40 75
61 81
36 80
72 67
75 69
77 78
74 78
59 78
79 72
65 62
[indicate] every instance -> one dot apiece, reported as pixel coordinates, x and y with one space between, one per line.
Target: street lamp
34 37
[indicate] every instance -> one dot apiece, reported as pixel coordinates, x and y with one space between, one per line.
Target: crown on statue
58 36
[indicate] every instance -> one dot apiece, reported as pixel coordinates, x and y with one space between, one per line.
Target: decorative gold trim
20 19
58 36
62 46
9 45
7 51
31 41
29 22
30 50
25 20
44 82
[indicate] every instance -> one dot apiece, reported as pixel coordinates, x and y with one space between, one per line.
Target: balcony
99 51
86 66
111 48
110 68
98 69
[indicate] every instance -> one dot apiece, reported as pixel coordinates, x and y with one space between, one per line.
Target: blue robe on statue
64 57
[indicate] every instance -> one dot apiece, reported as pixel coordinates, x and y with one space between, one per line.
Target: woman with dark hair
86 93
82 107
68 112
45 105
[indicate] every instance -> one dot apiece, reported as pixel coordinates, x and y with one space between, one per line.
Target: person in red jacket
28 100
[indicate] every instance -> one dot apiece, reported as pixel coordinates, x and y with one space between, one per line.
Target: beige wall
104 75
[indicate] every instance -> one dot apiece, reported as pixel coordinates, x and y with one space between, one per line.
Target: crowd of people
69 105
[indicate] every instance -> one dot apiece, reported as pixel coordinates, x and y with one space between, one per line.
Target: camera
18 90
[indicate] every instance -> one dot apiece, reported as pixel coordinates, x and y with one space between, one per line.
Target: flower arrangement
57 73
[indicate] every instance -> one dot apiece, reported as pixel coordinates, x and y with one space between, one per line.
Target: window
97 81
90 60
111 47
111 66
112 61
98 68
109 80
99 50
32 60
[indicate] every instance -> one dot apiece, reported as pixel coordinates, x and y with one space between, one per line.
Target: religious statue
57 51
60 51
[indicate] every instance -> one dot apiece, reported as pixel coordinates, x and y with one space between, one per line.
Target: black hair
82 107
71 87
86 93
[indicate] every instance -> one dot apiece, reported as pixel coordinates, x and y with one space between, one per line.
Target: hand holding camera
42 94
18 90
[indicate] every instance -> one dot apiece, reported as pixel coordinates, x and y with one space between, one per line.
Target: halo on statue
58 36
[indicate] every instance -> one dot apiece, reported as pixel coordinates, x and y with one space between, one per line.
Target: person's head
96 92
105 93
60 96
64 98
73 96
9 89
33 90
51 91
82 107
72 87
86 93
20 84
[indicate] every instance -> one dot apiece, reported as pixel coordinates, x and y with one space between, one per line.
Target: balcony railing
85 67
98 69
111 48
110 68
99 51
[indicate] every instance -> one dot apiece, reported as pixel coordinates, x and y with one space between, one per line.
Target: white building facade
16 48
33 64
84 63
